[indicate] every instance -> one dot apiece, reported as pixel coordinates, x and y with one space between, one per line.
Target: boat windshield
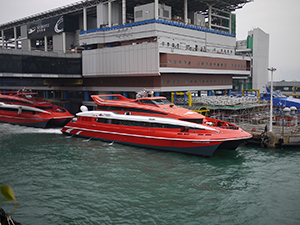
46 107
28 96
161 101
155 101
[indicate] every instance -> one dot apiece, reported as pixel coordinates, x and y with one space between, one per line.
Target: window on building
139 13
165 13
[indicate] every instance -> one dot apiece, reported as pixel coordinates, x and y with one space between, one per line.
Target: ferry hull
31 122
31 118
196 147
59 122
231 145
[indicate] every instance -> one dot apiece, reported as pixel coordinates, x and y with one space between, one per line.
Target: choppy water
62 180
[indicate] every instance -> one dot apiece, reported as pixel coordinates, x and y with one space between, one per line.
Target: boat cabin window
199 121
87 119
13 101
184 129
146 101
137 123
46 107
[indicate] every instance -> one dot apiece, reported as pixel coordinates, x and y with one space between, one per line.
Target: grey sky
280 19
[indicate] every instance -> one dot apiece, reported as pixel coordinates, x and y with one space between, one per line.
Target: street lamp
272 69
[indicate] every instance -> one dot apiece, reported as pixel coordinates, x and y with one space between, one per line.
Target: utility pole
272 69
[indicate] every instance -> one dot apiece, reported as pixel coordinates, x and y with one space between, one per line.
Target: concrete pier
279 137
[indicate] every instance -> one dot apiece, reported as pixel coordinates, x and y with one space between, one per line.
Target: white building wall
260 59
140 59
167 34
25 42
57 43
102 14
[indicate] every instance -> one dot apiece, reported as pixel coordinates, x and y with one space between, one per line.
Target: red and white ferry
162 107
150 132
26 108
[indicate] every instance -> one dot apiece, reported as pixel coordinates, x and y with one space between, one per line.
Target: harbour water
63 180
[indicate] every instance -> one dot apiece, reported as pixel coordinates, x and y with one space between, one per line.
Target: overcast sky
280 19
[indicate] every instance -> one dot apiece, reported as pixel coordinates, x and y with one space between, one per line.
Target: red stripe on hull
147 139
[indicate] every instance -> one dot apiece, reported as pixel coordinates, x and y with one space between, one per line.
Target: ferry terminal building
125 46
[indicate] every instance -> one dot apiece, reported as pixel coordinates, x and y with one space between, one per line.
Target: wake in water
86 140
16 129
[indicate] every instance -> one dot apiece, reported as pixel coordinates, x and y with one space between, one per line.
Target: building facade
124 47
256 46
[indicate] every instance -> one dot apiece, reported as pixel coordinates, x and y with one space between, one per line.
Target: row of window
163 81
206 64
195 81
197 48
124 82
27 64
136 123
